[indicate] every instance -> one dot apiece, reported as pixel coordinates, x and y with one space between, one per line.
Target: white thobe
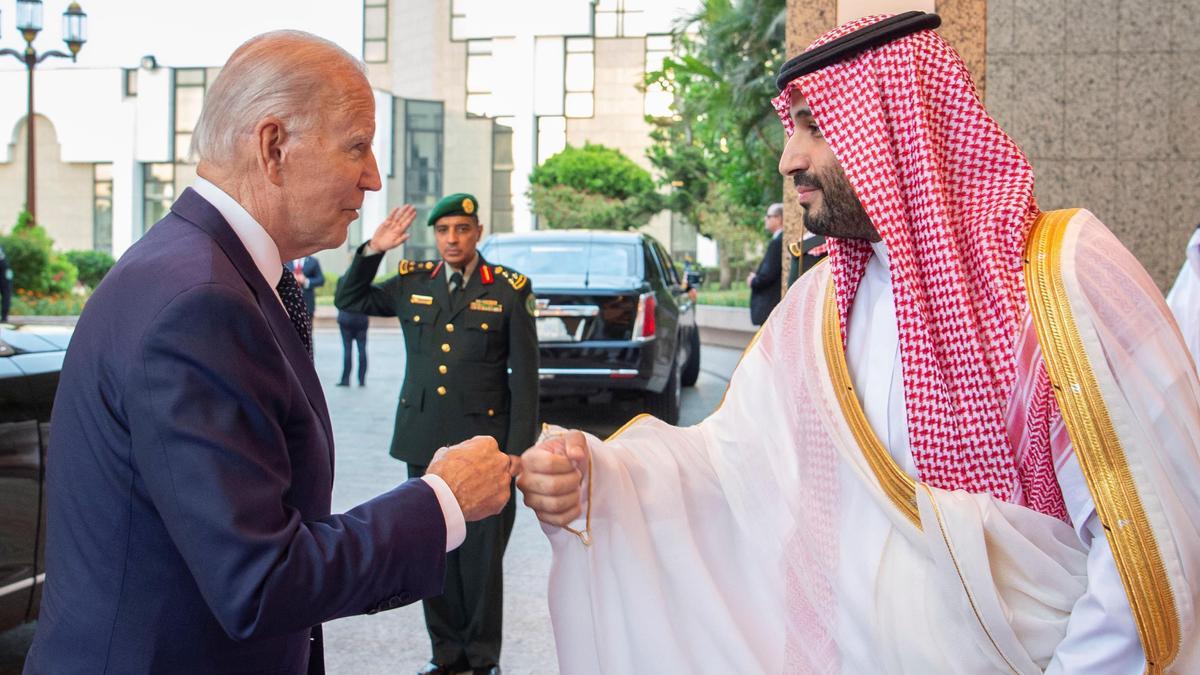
1101 635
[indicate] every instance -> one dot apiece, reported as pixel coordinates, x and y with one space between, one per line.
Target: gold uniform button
491 413
483 326
442 369
445 347
441 391
417 319
449 328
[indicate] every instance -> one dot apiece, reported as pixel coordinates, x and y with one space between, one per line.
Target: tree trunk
726 273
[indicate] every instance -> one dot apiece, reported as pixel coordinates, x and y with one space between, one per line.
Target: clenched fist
552 477
478 474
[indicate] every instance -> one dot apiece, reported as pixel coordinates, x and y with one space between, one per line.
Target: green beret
457 204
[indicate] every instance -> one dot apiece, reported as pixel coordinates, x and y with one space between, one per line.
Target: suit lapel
193 208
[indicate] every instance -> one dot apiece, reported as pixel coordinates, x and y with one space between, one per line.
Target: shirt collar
467 273
258 243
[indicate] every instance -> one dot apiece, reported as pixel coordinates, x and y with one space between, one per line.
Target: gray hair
775 209
284 73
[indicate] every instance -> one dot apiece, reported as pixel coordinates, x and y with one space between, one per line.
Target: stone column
806 20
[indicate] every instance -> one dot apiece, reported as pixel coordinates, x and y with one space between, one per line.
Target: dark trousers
464 622
350 336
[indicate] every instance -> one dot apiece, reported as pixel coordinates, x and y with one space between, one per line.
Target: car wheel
691 368
665 405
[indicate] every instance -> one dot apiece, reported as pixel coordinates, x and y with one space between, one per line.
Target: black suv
30 360
613 314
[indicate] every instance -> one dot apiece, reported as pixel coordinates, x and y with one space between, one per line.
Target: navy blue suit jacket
189 476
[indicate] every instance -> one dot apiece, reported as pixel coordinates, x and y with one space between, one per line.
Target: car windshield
567 258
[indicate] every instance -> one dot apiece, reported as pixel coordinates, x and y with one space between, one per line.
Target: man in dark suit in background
765 284
307 271
5 286
472 367
189 524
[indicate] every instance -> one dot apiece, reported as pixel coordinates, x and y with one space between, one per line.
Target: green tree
92 265
35 265
724 136
593 187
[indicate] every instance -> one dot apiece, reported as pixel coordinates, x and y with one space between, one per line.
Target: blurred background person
764 283
353 326
307 271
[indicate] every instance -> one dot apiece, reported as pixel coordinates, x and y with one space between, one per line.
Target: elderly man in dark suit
189 525
765 283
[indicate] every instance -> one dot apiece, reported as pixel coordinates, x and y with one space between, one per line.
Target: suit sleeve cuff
367 251
456 525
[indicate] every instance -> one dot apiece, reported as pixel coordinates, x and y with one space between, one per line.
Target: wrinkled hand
552 477
393 231
478 474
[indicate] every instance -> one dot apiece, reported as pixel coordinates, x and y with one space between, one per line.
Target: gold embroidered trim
897 485
1098 447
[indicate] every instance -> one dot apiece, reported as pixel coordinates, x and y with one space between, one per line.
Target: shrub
593 187
92 265
29 261
62 273
28 303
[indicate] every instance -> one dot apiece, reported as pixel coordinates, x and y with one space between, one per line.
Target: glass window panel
164 173
659 42
188 102
479 46
375 23
375 51
580 75
131 82
606 24
580 44
634 24
103 172
376 3
425 115
183 147
606 5
187 76
578 104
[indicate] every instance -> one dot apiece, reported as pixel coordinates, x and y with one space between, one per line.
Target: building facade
470 96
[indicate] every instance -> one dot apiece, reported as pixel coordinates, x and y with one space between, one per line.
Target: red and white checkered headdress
952 197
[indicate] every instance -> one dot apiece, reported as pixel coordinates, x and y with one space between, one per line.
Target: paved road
395 641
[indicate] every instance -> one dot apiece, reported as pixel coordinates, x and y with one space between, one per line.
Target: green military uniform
471 369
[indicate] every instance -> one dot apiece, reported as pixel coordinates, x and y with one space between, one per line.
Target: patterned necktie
293 302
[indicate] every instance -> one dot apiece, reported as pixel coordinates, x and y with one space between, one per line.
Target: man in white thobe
968 443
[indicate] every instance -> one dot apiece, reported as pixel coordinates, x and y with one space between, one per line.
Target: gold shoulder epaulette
410 266
513 277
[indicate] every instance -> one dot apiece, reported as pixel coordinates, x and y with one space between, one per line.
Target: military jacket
472 361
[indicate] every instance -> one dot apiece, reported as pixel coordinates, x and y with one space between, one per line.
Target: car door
666 308
20 491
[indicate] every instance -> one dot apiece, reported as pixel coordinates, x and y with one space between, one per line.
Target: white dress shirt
1101 633
265 254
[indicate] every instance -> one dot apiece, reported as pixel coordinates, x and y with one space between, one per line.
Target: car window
535 258
668 264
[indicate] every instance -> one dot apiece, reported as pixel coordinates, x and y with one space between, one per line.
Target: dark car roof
570 235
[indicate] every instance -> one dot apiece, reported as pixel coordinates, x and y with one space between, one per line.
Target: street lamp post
29 22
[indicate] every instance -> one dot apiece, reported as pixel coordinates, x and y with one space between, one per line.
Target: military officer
472 369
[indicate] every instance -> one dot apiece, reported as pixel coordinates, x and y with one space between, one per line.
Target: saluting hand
552 477
393 231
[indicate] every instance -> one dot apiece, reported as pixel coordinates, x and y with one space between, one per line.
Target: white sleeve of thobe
1101 634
